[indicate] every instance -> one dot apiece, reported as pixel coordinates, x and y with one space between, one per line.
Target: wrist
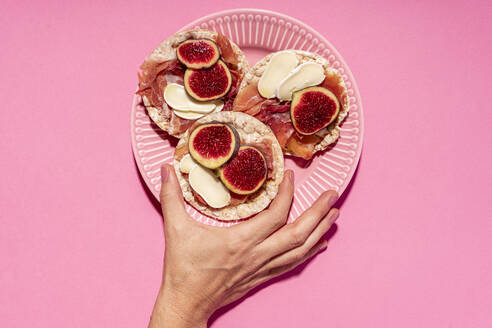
177 311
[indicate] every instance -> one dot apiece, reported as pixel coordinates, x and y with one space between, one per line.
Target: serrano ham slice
149 71
237 199
154 77
280 124
276 115
282 130
278 108
248 98
302 146
198 198
179 124
333 83
226 50
180 151
229 97
266 110
265 146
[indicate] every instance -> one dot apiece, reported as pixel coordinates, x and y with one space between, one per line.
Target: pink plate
259 32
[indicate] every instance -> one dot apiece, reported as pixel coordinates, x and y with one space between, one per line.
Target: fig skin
213 162
320 116
223 174
204 48
205 77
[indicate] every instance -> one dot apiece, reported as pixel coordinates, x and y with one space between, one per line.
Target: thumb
171 197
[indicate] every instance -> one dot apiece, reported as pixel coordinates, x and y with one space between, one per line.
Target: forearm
169 312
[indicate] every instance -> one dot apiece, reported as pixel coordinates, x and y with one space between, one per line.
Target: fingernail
333 196
164 173
334 215
323 246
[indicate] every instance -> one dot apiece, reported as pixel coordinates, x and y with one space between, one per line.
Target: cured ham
193 127
265 146
302 146
153 78
280 123
180 151
276 114
226 50
237 199
333 82
278 108
272 112
231 95
248 98
178 124
198 198
149 71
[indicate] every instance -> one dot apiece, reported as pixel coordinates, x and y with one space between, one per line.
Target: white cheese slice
187 163
209 187
305 75
219 106
281 64
191 115
188 115
176 96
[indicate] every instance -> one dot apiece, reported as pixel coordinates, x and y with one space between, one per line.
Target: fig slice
246 172
209 187
313 109
200 53
213 144
208 83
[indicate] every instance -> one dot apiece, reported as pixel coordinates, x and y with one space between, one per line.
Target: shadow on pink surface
288 275
295 272
146 189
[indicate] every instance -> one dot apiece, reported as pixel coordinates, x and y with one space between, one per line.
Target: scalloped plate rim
248 11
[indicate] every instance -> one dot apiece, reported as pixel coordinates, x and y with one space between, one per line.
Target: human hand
206 267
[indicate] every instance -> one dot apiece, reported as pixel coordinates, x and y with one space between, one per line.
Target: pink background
81 241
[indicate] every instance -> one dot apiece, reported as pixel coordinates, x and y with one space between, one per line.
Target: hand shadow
347 191
173 142
288 275
296 271
148 193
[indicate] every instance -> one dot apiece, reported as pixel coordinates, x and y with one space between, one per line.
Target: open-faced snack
229 165
299 96
190 75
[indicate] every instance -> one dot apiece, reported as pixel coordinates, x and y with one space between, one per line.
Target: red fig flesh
313 109
213 144
246 172
208 83
198 53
